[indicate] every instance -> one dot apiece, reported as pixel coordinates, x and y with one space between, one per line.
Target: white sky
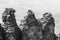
37 6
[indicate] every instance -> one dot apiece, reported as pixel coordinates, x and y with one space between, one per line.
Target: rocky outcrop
34 29
48 23
31 27
10 26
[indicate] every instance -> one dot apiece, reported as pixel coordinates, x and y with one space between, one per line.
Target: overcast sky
37 6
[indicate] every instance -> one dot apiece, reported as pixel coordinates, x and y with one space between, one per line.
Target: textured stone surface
48 30
10 26
32 28
42 29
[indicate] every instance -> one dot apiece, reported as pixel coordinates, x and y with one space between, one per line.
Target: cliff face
31 27
42 29
48 23
10 26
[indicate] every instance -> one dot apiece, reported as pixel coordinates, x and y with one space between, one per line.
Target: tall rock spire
10 26
31 27
48 23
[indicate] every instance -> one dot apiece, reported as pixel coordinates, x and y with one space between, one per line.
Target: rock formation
2 33
34 29
10 26
48 23
31 27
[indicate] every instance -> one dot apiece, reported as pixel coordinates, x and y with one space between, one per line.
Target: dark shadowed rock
48 23
11 28
31 27
2 33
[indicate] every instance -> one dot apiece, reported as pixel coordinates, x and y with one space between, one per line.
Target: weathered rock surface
10 26
32 27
